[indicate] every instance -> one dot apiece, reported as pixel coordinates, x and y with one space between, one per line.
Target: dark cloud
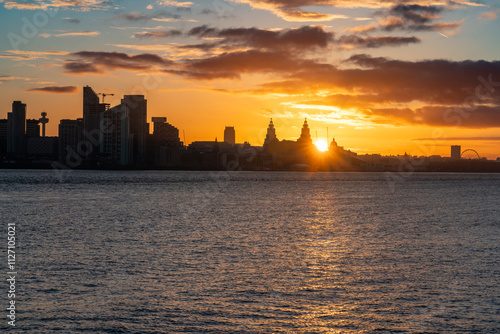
233 65
96 62
480 117
414 18
354 41
159 34
54 89
71 20
416 14
76 67
451 93
305 37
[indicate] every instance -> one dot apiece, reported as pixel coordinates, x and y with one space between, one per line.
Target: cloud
170 3
71 20
4 78
440 116
233 65
357 42
80 5
32 55
409 17
158 16
158 34
75 33
97 62
54 89
490 16
294 10
76 67
459 139
384 91
303 38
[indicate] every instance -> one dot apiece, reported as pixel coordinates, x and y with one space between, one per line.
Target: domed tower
305 135
271 133
333 145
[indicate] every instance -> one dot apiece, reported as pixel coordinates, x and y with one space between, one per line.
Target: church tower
271 134
305 135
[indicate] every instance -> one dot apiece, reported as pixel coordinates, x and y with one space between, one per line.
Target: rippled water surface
265 252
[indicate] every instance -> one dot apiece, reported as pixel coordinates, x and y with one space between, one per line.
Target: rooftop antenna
316 134
184 135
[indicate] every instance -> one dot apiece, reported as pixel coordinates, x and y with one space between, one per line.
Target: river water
253 252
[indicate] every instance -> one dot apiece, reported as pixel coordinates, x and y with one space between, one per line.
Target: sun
321 145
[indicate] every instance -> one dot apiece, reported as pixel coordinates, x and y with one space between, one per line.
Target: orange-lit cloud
294 10
54 89
490 15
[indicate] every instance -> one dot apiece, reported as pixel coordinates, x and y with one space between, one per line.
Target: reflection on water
173 252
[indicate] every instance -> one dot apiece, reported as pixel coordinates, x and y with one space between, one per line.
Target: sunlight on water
178 252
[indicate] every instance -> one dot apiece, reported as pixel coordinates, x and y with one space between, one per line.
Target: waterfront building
230 135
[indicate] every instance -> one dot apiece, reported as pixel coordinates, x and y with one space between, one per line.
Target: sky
379 76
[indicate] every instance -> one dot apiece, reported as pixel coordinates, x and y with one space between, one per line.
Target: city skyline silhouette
385 77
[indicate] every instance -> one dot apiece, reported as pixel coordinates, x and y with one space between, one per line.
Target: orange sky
382 77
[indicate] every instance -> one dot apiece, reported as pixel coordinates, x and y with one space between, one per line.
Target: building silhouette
164 144
271 134
305 135
116 144
70 136
3 137
32 128
230 135
456 152
136 106
16 129
91 109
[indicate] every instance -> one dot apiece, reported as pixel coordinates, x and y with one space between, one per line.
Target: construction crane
104 96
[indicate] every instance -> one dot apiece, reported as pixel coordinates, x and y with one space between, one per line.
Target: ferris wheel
470 154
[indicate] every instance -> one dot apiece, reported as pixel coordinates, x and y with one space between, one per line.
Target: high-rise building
271 134
166 134
3 137
32 128
305 135
456 152
230 135
16 128
70 135
137 108
92 110
116 144
165 145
